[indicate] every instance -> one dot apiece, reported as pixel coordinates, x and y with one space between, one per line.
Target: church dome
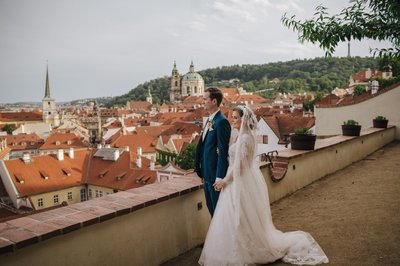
192 75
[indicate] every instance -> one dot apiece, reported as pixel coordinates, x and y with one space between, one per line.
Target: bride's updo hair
251 121
239 110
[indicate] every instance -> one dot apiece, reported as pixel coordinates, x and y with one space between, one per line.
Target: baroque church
190 84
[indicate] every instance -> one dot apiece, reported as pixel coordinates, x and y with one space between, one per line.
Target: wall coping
325 143
28 230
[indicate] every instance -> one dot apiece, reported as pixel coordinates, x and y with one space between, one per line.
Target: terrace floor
354 214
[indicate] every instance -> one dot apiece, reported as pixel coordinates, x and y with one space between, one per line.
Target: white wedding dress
241 231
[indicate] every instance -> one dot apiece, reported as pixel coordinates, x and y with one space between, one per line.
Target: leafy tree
185 160
371 19
9 128
358 90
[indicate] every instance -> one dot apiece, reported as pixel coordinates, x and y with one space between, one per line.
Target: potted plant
351 128
380 122
302 139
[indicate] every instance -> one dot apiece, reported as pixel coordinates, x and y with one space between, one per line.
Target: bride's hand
218 185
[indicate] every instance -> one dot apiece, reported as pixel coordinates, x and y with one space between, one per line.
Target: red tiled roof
146 142
153 131
179 143
139 105
119 174
283 125
61 174
24 141
61 141
350 99
363 77
21 116
170 118
251 98
193 99
181 128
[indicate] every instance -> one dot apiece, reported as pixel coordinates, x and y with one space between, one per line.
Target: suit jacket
209 163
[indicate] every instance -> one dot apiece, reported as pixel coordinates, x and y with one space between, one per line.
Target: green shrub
350 122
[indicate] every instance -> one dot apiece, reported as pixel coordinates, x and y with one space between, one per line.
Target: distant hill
308 75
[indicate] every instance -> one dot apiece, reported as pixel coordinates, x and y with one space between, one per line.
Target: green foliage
350 122
319 75
370 19
302 131
379 117
186 160
383 83
358 90
9 128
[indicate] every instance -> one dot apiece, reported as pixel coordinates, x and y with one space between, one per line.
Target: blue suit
211 164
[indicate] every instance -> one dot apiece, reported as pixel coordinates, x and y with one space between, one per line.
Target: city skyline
100 49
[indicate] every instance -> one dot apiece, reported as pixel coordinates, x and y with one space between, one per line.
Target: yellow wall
102 189
62 196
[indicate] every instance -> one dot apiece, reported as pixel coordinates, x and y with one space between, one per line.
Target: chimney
139 151
152 164
26 158
60 155
107 146
22 128
99 146
71 153
139 161
116 155
126 148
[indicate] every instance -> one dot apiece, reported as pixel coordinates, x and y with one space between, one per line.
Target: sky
97 48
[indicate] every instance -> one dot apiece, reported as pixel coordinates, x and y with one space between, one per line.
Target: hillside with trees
308 75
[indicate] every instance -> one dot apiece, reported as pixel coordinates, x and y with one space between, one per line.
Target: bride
241 231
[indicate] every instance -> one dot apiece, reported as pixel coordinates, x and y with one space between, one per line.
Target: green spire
191 69
174 69
47 89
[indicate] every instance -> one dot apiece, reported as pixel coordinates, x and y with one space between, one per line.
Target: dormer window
19 178
66 171
146 180
58 142
120 176
102 174
44 175
69 142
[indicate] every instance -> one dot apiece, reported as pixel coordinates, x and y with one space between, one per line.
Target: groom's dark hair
215 93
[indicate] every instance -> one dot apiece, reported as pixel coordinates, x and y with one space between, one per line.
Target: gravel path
354 214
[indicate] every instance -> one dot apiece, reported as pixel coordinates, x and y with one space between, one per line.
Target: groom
212 148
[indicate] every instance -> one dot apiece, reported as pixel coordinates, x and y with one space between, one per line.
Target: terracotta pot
351 130
380 123
302 142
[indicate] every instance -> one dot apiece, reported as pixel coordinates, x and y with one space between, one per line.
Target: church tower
149 98
50 115
175 90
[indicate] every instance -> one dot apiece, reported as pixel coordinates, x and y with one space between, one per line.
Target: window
100 193
69 195
40 202
55 199
265 139
90 193
83 194
97 193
